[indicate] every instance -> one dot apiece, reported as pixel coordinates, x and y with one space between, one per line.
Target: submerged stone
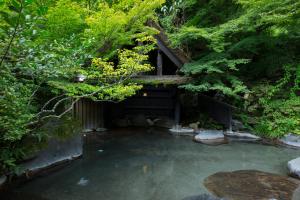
250 185
291 140
294 167
210 137
241 136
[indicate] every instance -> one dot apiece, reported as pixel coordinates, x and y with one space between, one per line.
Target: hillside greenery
246 51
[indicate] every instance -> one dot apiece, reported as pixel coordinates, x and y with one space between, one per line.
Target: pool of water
152 165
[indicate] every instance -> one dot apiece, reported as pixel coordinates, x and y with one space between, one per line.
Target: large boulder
251 184
210 137
294 167
291 140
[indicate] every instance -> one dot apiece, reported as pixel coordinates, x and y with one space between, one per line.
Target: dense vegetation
245 50
46 44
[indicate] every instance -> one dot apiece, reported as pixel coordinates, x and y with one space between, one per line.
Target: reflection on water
152 165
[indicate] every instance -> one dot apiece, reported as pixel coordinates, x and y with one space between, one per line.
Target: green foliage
45 44
277 106
215 70
264 33
120 23
104 81
279 118
241 49
65 20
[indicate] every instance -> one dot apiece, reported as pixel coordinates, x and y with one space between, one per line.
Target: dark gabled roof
177 56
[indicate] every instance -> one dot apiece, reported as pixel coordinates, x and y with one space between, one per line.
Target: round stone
294 167
210 137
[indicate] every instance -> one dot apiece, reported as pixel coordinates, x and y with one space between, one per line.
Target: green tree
237 47
45 44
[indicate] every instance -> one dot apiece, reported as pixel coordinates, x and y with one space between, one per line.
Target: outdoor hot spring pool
151 165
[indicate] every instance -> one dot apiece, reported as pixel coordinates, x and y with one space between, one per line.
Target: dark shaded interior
169 68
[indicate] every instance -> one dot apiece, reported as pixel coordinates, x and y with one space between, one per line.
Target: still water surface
152 165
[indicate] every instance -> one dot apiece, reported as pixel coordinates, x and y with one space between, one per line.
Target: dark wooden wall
152 102
89 113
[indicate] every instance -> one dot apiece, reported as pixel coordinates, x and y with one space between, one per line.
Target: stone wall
56 152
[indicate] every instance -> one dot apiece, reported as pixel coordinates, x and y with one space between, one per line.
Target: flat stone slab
211 137
241 136
291 140
182 131
294 167
252 185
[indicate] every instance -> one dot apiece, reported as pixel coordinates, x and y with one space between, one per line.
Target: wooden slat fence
89 113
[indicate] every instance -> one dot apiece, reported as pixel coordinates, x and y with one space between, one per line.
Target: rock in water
251 185
194 126
241 136
210 137
294 167
183 131
291 140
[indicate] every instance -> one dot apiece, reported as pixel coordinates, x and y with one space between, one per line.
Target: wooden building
159 97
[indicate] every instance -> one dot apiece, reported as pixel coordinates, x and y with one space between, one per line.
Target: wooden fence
89 113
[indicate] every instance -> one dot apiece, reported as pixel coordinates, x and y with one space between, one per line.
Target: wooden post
159 63
177 110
